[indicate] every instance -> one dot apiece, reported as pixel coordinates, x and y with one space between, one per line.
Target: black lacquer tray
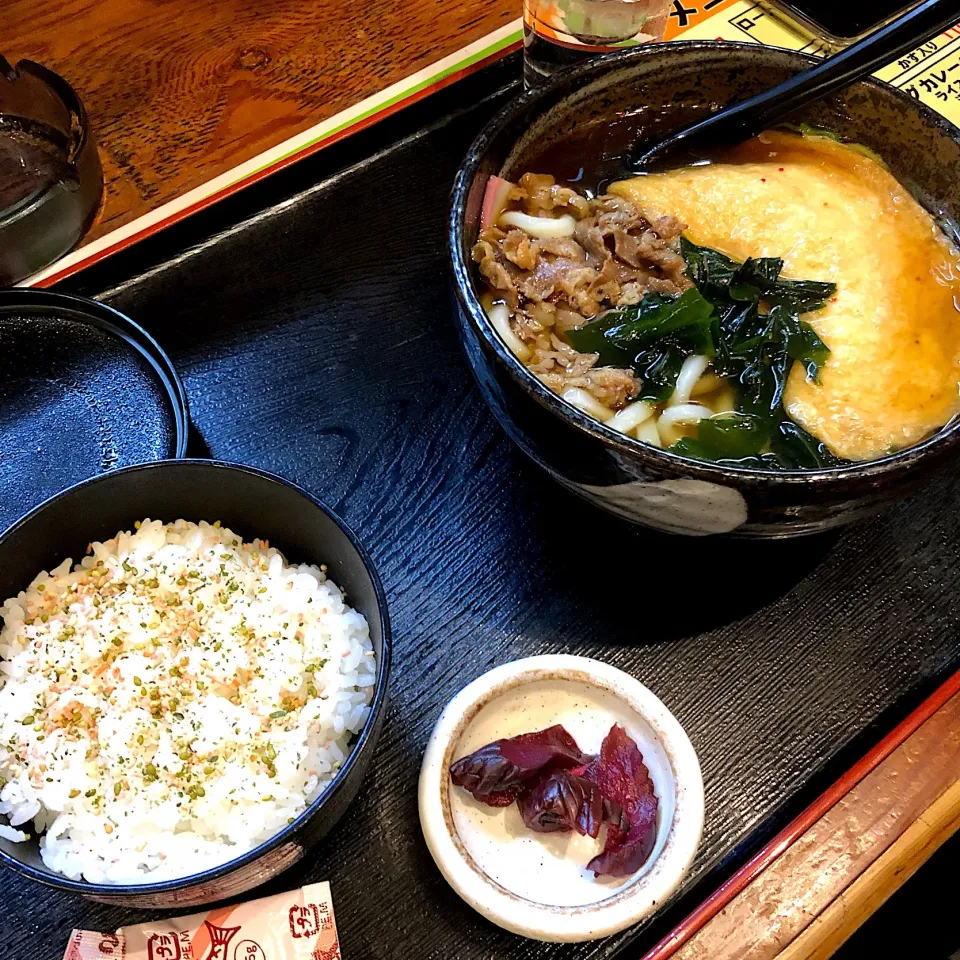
309 317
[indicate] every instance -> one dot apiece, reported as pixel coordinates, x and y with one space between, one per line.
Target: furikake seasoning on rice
173 700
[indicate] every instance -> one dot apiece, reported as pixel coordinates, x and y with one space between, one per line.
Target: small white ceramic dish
537 885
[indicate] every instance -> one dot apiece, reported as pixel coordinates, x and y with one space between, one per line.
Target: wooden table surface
179 92
832 873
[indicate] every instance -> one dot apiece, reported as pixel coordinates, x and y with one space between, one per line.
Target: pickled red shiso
563 801
622 777
559 788
495 774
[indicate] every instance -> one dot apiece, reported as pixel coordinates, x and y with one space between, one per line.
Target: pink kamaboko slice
496 196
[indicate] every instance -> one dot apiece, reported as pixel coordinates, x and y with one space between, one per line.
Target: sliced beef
615 256
544 195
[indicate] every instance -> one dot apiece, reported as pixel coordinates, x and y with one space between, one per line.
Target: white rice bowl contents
174 700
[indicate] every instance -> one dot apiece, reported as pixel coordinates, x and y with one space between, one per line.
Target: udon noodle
787 306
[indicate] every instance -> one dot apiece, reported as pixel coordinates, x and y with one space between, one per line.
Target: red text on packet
164 946
110 945
304 921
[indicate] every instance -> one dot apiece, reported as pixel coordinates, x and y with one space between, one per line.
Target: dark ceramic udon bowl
654 89
253 504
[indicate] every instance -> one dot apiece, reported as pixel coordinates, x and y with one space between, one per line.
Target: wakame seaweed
654 337
755 349
732 437
741 438
657 319
747 319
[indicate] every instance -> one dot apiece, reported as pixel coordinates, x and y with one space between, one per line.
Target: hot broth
785 305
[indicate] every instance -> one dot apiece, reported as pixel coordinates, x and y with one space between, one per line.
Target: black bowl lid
83 390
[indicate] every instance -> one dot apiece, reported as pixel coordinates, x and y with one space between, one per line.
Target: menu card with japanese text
931 73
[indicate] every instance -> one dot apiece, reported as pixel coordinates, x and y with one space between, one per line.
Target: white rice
174 700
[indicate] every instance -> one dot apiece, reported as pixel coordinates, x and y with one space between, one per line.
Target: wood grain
880 881
180 92
808 901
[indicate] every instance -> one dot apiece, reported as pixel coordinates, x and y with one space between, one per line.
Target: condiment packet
290 926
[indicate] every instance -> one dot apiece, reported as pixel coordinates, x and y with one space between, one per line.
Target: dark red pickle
564 801
558 788
622 776
495 774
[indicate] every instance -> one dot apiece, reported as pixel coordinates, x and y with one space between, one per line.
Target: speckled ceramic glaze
662 87
538 885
